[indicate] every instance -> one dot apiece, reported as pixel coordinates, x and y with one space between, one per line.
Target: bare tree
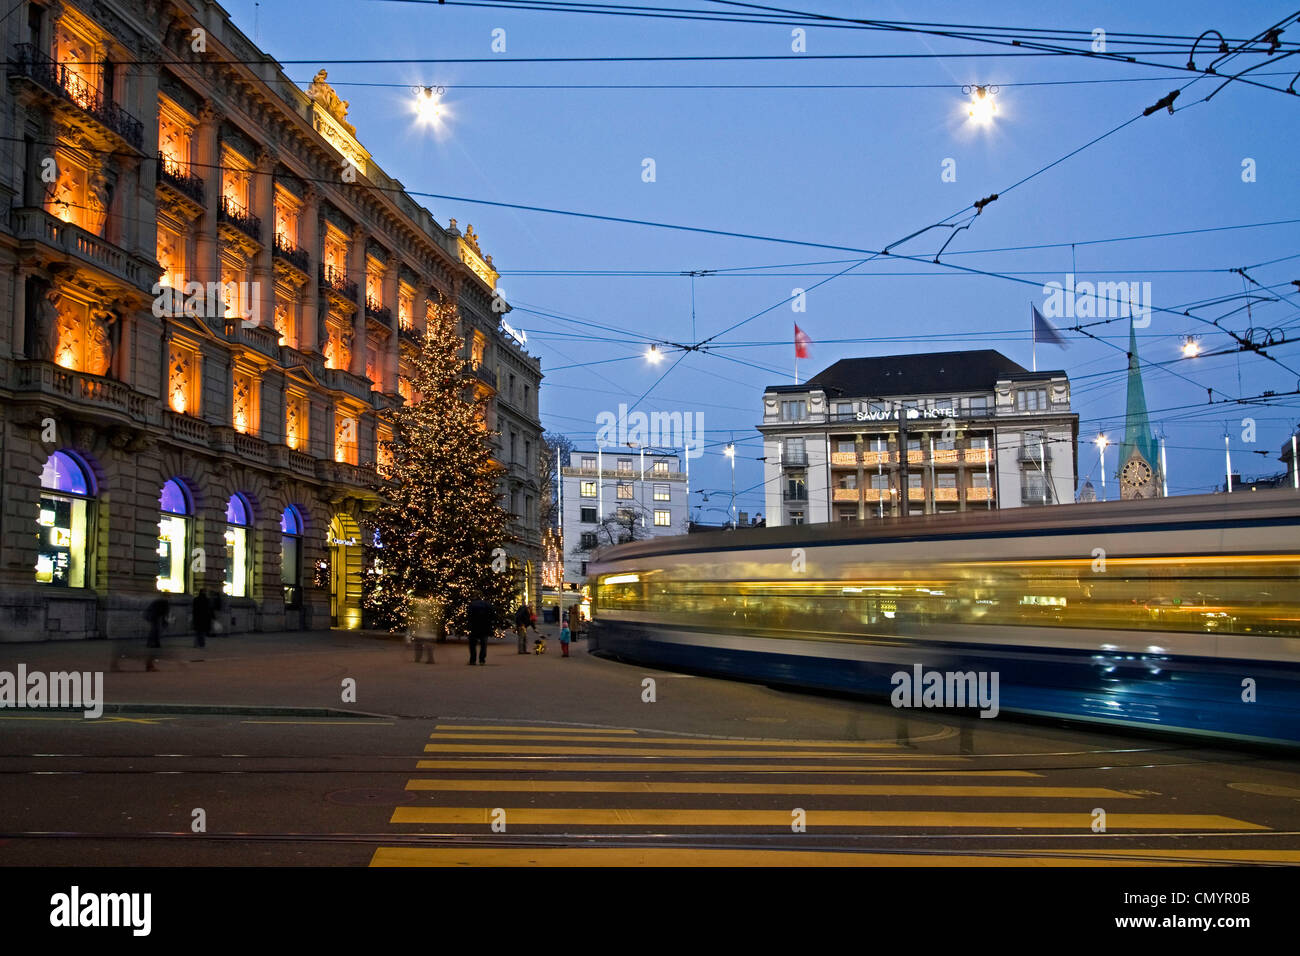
554 455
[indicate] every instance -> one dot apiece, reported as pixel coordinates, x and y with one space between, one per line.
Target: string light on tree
441 528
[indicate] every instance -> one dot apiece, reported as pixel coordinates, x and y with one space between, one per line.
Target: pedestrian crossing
495 784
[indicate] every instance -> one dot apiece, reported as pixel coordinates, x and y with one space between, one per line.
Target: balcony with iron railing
289 251
379 312
1035 453
794 459
173 173
795 495
67 85
233 213
335 280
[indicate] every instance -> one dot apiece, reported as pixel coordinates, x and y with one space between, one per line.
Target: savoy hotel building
207 290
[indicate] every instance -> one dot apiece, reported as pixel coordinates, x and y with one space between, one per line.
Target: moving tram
1179 614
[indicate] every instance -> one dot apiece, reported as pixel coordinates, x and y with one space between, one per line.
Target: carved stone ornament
324 94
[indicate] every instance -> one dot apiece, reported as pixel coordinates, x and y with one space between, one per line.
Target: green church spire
1137 427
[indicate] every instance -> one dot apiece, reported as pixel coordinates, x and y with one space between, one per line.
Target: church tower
1139 473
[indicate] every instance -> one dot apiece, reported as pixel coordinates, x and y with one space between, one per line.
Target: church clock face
1135 477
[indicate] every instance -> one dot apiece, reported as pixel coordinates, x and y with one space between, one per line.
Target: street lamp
1102 441
731 453
1191 347
428 103
981 108
653 355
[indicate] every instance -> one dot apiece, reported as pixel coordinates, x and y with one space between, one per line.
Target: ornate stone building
207 289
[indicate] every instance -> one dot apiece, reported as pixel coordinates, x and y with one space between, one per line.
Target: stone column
309 238
207 254
263 203
357 274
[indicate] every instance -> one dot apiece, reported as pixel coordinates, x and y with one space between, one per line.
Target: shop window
238 565
173 537
291 556
62 522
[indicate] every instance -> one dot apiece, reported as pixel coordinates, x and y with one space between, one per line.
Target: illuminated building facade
958 430
207 290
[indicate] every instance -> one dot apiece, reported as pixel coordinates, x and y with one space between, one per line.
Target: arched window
62 522
173 537
291 556
238 520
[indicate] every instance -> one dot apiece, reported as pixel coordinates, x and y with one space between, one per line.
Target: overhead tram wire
775 16
752 86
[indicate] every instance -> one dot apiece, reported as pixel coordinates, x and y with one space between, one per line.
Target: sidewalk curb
229 709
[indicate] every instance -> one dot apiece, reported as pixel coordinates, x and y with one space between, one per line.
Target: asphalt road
565 762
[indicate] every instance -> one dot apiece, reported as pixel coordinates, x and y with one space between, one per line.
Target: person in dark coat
156 614
522 620
203 613
481 625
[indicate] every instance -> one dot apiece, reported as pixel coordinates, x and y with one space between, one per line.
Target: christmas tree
441 529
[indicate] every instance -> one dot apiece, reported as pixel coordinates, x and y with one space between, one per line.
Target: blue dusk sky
845 153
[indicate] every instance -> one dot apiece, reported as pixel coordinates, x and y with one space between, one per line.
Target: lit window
345 438
296 417
173 537
183 379
244 404
663 493
625 466
625 490
291 556
588 464
384 451
588 489
661 467
62 521
663 519
238 566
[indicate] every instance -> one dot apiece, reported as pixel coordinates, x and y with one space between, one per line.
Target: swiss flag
801 342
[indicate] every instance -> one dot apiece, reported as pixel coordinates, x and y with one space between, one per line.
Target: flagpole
1033 334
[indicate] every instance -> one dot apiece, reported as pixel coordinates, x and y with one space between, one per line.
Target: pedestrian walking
481 624
202 614
564 637
522 620
156 614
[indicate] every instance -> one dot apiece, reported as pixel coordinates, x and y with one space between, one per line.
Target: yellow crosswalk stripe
597 816
550 765
700 741
487 728
792 787
561 750
665 856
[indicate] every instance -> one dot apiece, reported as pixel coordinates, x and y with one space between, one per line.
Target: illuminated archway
344 542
